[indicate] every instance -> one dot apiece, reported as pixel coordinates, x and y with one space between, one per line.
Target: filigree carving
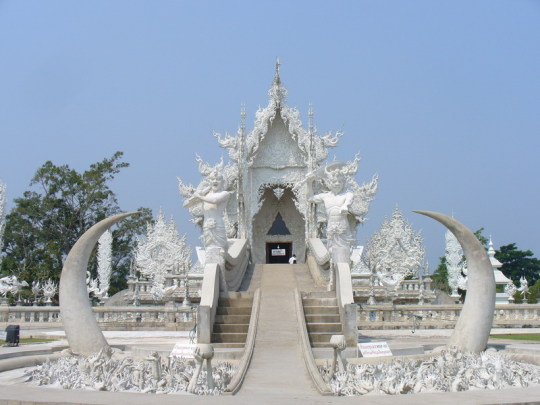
104 258
229 174
49 290
449 371
278 192
160 253
277 154
109 371
455 264
395 251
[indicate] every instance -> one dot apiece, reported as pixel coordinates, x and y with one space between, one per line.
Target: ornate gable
278 148
277 139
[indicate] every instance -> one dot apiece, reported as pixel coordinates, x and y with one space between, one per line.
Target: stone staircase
232 320
321 312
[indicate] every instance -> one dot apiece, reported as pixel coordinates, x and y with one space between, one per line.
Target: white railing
108 317
442 316
369 316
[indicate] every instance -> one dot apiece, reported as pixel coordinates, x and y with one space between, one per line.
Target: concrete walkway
12 392
277 365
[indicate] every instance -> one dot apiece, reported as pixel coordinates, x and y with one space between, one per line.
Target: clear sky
442 99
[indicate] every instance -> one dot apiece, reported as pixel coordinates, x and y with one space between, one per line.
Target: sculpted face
216 181
335 182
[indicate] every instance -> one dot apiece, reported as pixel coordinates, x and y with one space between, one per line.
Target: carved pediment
278 148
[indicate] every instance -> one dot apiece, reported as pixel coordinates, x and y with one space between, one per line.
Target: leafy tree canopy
62 204
518 263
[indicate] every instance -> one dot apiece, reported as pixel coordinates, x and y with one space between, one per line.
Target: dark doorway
278 252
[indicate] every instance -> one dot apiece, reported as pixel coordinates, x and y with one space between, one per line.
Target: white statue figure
49 290
17 285
524 288
510 289
213 198
11 285
36 290
5 286
337 202
93 287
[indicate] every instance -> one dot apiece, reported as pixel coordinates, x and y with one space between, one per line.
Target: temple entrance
278 252
278 222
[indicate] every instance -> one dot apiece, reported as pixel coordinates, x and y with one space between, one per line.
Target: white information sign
184 350
374 349
3 335
278 252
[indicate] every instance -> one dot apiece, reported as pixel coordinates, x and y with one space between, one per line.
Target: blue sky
441 98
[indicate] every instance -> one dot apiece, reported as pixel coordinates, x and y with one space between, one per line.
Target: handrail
206 313
347 308
238 378
305 346
236 263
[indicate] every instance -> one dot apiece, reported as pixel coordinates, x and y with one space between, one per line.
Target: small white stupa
507 296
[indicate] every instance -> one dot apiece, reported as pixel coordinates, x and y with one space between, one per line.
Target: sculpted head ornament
335 176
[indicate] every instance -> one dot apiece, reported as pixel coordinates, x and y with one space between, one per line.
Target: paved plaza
279 388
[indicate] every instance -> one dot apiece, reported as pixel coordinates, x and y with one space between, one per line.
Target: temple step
231 328
235 302
233 311
229 337
334 328
322 317
318 318
315 302
321 310
232 319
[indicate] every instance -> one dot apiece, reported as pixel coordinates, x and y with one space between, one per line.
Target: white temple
277 197
269 202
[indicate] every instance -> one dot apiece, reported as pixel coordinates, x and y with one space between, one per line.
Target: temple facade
270 198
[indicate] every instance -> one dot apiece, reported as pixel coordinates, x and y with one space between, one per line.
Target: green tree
534 293
483 240
62 204
518 263
440 276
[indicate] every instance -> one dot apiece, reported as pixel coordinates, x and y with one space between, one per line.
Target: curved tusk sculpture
472 329
82 331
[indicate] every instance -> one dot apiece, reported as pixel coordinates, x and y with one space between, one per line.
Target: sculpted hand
197 355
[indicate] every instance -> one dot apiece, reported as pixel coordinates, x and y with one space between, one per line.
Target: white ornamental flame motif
104 258
162 252
395 251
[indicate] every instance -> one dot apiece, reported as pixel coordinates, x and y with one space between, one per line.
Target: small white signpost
374 349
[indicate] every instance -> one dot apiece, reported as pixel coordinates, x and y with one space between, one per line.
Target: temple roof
306 140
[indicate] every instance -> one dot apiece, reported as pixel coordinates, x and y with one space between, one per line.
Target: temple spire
277 92
277 80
